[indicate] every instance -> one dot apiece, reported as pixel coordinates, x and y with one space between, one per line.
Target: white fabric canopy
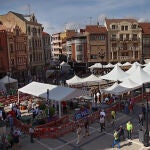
109 65
64 64
128 83
74 80
116 89
96 65
147 68
119 64
127 64
91 78
57 93
138 64
132 69
139 76
115 74
7 79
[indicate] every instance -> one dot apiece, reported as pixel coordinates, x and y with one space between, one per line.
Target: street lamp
102 56
146 135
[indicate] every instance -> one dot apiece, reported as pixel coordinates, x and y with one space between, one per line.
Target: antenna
90 19
29 8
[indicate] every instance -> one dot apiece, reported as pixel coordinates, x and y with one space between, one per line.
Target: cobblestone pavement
96 140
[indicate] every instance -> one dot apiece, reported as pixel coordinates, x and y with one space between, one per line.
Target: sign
81 114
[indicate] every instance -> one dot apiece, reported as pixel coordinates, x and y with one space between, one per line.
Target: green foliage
51 110
42 106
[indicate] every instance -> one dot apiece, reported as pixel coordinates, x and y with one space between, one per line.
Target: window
127 36
121 37
93 56
134 26
79 57
124 46
11 48
126 28
78 47
122 28
29 31
113 36
134 36
113 27
101 37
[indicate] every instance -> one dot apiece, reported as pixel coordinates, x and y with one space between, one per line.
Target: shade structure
147 68
74 80
96 65
56 93
115 74
127 64
128 83
132 69
109 65
115 89
119 64
137 63
7 80
91 78
139 76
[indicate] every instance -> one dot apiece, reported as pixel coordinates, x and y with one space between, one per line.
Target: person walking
31 132
129 128
121 132
86 125
116 140
102 122
144 111
79 132
140 118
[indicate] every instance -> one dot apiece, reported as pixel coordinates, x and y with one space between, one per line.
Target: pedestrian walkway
96 141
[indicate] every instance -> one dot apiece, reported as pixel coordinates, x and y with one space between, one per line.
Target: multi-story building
28 25
145 40
96 43
58 42
13 53
46 47
124 40
77 48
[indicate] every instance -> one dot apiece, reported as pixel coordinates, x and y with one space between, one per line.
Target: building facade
28 25
145 40
124 40
46 47
96 43
14 53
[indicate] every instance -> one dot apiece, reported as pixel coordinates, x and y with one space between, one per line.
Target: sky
57 15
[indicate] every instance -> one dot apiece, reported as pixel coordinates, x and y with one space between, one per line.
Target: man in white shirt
102 113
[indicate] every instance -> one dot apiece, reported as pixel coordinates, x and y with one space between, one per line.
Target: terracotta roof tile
145 27
95 29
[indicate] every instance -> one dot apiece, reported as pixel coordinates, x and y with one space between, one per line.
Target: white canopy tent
132 69
139 76
127 64
96 65
115 74
128 83
8 81
116 89
74 80
109 65
56 93
65 67
147 68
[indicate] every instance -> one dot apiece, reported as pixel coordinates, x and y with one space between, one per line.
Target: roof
45 33
145 27
95 29
109 21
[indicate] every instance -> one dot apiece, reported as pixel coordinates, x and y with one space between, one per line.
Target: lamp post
102 56
146 135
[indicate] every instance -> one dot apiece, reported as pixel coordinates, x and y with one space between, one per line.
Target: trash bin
141 135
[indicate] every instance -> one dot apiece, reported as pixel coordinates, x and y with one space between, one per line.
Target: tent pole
59 109
18 97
